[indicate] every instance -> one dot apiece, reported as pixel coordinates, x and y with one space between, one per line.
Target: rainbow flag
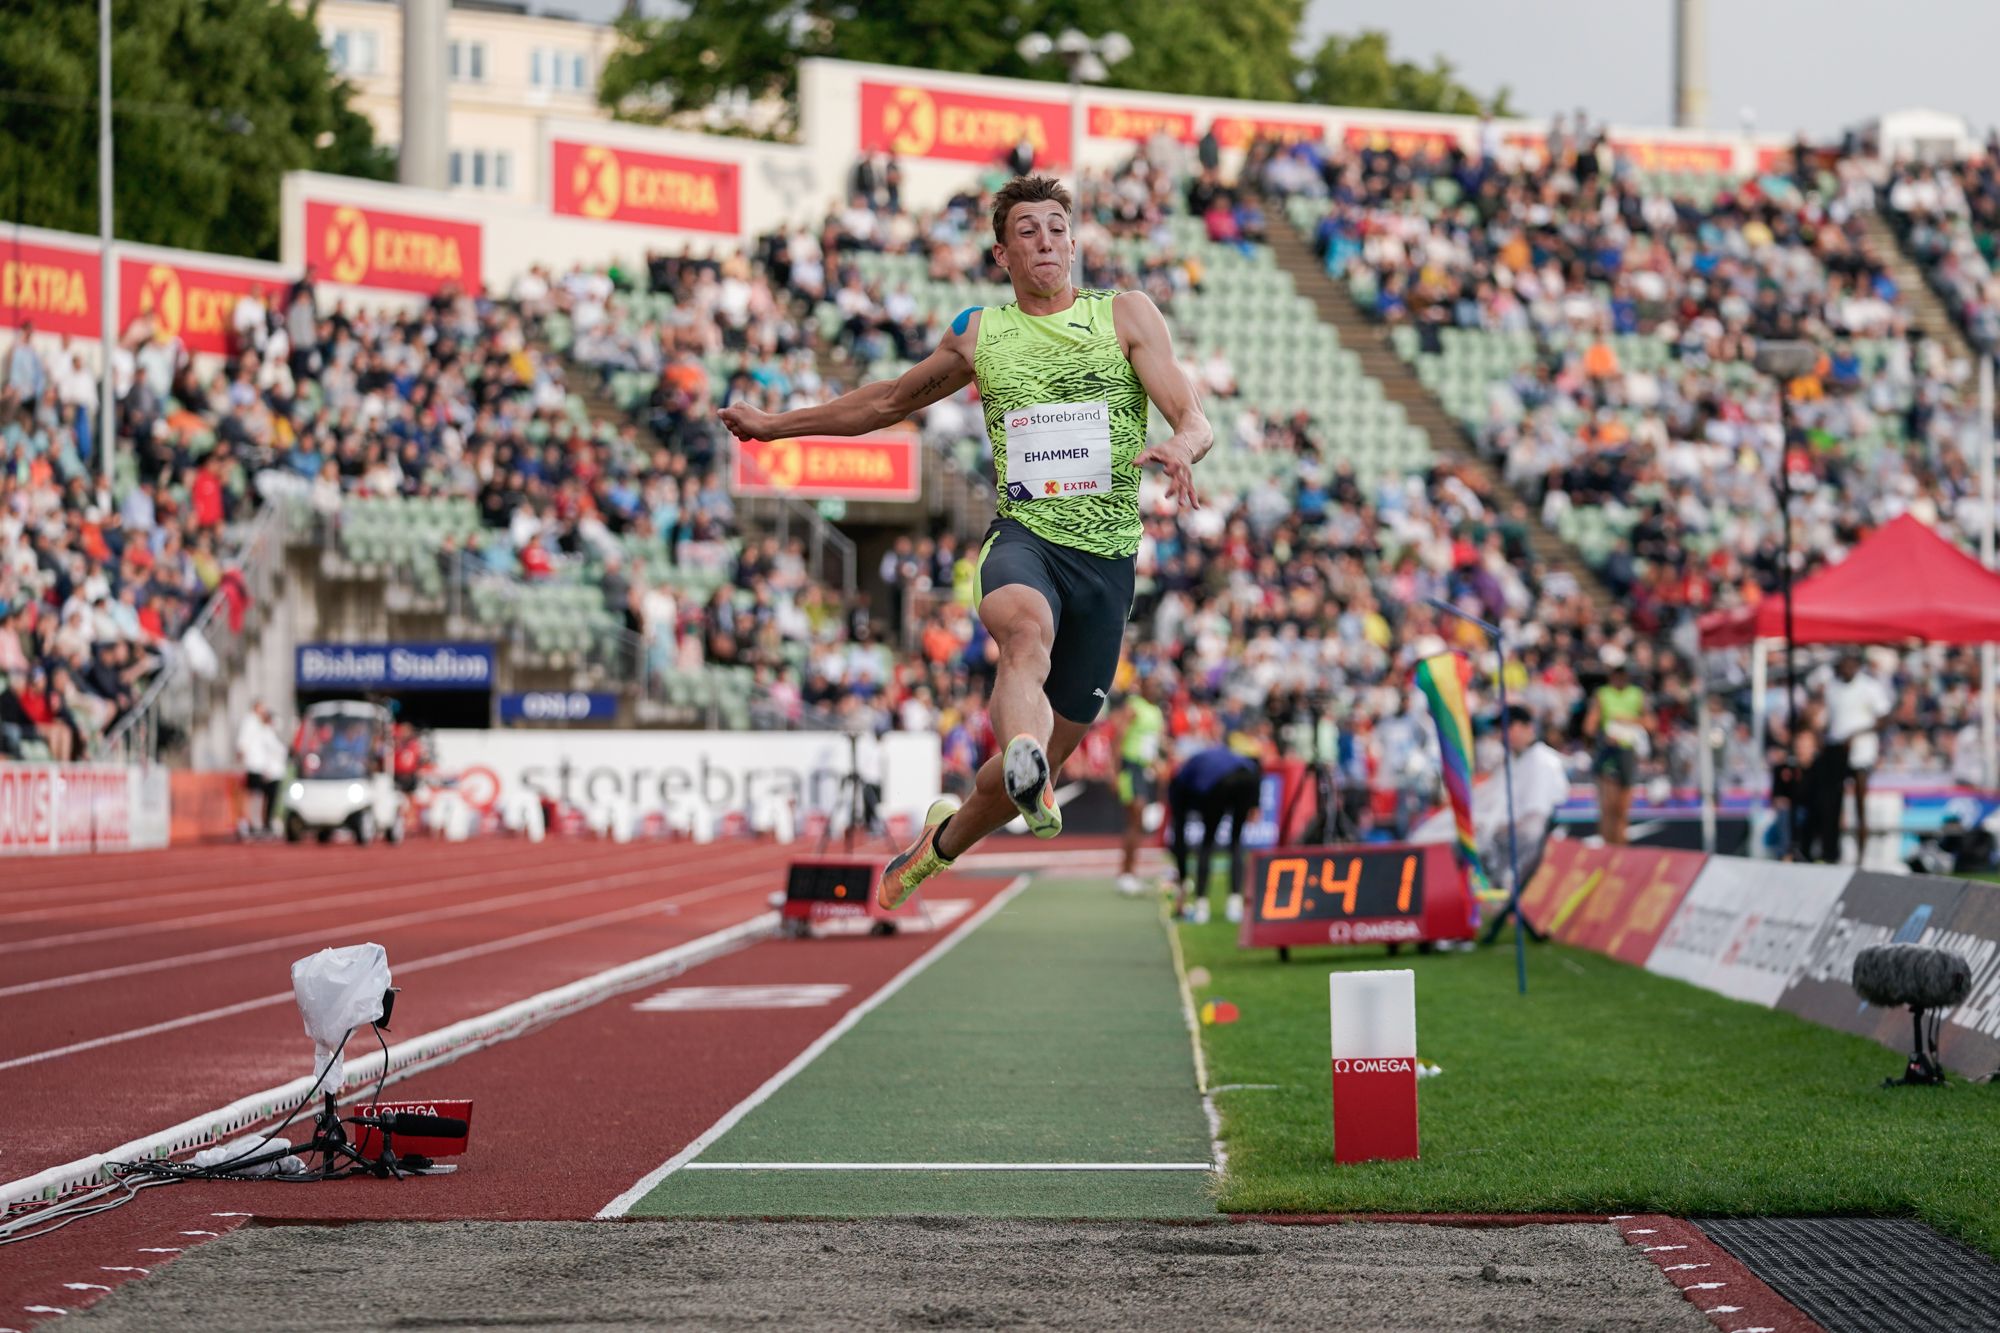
1443 679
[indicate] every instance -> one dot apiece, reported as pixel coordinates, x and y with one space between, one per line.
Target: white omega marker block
1374 1017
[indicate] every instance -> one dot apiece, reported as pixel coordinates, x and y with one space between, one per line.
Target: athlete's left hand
1175 458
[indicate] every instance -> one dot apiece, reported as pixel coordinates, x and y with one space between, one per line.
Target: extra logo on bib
1058 449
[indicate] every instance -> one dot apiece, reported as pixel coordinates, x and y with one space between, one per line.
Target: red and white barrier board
47 808
1374 1017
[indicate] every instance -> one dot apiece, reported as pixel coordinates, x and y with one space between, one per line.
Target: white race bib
1058 449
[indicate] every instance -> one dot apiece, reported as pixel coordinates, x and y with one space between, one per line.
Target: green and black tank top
1067 417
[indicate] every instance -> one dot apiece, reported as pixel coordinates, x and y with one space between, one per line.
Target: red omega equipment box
368 1139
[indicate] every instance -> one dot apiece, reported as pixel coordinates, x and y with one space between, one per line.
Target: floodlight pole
1498 638
107 277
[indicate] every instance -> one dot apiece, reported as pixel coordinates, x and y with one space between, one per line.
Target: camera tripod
863 802
1329 821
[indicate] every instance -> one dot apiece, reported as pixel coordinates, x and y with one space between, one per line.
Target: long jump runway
992 1121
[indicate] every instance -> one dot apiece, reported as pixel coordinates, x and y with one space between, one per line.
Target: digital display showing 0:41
1334 885
1352 894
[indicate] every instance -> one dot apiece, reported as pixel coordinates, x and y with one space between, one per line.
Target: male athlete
1064 376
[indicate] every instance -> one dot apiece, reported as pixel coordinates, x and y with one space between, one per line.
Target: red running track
161 983
565 1118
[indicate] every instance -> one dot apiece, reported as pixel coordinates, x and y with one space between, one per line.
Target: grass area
1606 1089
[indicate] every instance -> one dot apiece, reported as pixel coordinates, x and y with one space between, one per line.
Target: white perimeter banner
726 770
1745 926
82 807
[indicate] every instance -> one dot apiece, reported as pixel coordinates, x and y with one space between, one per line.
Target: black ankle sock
937 839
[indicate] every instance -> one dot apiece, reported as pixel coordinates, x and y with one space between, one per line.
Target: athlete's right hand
746 422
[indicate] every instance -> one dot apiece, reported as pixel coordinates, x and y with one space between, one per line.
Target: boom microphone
1899 974
415 1124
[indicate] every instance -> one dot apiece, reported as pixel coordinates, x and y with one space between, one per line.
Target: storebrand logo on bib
1017 423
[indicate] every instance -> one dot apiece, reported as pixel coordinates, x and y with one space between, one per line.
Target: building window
563 71
488 169
352 51
467 62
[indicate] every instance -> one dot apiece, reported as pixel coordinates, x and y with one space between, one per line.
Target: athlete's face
1035 247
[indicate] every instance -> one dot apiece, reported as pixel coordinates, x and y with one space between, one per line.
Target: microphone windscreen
1897 974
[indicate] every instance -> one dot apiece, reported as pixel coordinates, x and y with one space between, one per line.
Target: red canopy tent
1902 582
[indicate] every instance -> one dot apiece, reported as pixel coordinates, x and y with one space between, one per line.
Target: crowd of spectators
1304 595
1567 249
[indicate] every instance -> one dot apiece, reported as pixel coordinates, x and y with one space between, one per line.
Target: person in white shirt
264 759
1857 704
1541 785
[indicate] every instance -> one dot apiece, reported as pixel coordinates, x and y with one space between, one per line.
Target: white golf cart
345 775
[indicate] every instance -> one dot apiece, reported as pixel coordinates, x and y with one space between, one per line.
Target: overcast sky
1816 65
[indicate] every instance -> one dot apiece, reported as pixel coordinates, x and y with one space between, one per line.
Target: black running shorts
1089 597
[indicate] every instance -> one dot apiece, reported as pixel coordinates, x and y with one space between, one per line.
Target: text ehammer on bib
1058 449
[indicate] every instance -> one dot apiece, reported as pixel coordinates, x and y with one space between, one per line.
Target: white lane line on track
565 889
434 960
503 873
621 1205
351 861
406 1058
1215 1148
949 1166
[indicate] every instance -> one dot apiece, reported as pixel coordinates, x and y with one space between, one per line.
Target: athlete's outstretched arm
870 407
1149 346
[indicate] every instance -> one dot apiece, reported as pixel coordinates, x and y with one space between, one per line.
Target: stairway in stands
1931 316
1400 384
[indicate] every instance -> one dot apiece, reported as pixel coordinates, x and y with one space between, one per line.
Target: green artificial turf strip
1053 1033
1605 1089
1056 1194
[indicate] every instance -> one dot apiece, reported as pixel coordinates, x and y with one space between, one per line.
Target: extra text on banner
196 305
913 121
826 467
401 252
52 287
614 184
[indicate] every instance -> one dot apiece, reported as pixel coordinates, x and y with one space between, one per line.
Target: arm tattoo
931 386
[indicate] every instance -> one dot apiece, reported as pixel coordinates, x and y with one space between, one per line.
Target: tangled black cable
128 1178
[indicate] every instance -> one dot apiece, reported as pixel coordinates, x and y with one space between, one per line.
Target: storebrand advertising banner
195 305
913 121
615 184
1873 909
52 287
82 808
1745 927
399 252
826 467
658 770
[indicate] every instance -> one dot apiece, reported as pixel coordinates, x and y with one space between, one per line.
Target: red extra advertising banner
1670 155
825 467
1139 124
912 121
398 252
1402 140
195 305
53 288
1242 131
649 189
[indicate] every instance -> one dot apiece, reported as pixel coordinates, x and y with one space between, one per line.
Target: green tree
1358 71
212 101
676 68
